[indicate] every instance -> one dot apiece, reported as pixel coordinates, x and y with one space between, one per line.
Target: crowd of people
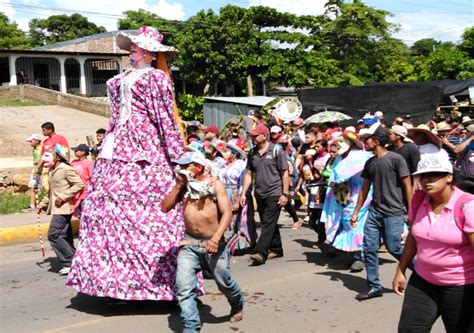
160 208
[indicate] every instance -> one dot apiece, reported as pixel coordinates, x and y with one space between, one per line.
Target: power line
26 8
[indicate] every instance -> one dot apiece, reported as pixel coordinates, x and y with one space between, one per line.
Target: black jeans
318 227
425 302
251 220
60 238
270 239
290 209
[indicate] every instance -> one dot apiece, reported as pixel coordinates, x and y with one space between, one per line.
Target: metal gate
97 72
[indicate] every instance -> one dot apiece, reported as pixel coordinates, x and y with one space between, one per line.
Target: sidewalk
22 228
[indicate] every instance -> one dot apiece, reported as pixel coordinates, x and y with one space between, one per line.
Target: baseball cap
259 129
375 130
379 113
82 147
191 157
436 162
399 130
34 136
275 129
212 128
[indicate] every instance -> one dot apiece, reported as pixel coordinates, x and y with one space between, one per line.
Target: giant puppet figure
128 247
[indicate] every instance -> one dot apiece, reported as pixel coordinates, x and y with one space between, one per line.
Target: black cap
82 147
407 116
376 130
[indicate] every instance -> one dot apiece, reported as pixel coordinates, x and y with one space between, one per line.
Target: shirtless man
207 214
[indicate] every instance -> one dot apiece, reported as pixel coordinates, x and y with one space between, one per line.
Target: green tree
393 62
446 62
11 37
213 47
424 46
351 35
59 28
135 19
467 43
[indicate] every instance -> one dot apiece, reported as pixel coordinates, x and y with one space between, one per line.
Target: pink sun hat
147 38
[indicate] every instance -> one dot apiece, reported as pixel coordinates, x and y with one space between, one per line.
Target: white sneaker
64 271
306 219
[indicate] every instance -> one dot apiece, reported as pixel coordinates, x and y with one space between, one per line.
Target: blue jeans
390 229
191 260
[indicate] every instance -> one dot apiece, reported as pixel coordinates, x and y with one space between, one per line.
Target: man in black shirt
267 167
388 173
402 145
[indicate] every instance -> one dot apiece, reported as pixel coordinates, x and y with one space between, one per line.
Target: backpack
459 217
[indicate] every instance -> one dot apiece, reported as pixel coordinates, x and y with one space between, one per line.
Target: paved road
302 292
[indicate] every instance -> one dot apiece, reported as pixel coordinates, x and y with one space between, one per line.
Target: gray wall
218 113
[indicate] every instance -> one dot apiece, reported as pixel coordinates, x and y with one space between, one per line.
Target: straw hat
443 126
147 38
466 121
424 129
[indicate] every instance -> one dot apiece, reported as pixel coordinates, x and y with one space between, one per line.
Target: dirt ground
17 123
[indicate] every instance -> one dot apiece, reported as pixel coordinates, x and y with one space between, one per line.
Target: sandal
297 225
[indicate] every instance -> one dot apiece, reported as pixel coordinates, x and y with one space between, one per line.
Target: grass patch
20 102
13 202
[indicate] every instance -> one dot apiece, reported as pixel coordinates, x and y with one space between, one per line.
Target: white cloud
440 26
115 8
6 7
298 7
109 11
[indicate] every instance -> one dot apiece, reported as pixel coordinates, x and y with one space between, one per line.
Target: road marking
205 296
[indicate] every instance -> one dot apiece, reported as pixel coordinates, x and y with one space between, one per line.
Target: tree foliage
12 38
350 44
135 19
59 28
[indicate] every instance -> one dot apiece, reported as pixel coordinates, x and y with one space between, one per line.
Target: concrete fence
55 97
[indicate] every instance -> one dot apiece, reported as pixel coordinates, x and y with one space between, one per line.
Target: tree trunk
249 86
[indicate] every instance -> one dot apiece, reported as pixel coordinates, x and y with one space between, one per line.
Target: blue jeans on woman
192 259
390 228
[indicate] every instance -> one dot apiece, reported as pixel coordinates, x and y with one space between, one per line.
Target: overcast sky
442 20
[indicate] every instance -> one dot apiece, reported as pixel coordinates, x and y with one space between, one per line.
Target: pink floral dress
128 247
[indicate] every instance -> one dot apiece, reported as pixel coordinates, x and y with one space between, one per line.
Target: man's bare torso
201 216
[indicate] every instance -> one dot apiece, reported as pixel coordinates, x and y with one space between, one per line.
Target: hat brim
432 170
192 149
182 161
237 149
125 41
432 137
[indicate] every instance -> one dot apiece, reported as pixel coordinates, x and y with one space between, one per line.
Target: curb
28 233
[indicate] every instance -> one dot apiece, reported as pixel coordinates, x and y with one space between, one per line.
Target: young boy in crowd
207 215
35 179
84 169
64 183
100 135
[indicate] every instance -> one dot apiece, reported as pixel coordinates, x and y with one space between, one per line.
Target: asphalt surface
302 292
